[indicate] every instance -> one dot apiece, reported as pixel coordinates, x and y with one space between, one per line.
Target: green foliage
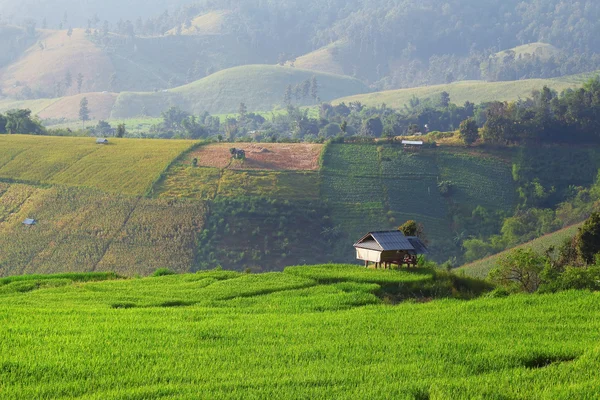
121 131
520 270
469 131
153 336
20 121
163 272
588 243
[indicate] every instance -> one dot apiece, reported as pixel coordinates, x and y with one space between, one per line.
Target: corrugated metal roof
413 142
29 221
369 245
391 241
417 244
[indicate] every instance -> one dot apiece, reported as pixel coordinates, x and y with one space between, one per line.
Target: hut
101 141
386 248
29 222
412 144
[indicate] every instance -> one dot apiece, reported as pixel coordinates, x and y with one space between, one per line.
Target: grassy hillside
372 187
325 59
481 268
134 205
47 62
474 91
260 87
317 332
540 50
211 23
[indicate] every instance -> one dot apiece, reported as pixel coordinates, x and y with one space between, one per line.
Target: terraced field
326 331
87 230
127 166
280 171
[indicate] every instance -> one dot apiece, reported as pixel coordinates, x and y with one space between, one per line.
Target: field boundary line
94 150
117 232
149 193
12 158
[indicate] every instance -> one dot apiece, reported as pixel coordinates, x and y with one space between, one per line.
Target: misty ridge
385 44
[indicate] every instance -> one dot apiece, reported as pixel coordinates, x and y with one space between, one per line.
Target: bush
163 272
519 271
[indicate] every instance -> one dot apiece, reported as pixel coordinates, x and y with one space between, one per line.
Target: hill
260 87
481 268
473 91
537 49
326 59
317 332
211 23
285 204
47 62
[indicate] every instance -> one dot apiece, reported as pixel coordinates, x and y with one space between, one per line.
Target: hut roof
391 241
413 142
101 141
29 221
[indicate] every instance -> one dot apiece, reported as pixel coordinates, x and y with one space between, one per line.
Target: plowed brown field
261 156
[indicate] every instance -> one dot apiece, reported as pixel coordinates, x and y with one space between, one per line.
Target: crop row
85 230
124 166
282 336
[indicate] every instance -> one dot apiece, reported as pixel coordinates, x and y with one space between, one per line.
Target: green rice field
292 335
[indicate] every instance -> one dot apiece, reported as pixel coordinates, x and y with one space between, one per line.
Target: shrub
163 272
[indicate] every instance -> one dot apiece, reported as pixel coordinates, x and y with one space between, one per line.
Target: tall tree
84 111
469 131
79 82
68 80
314 88
287 97
121 131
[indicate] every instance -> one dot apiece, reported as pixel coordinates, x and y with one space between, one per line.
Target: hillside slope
481 268
473 91
260 87
47 63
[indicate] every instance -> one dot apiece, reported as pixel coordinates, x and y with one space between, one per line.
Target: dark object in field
101 141
195 162
29 222
237 154
385 248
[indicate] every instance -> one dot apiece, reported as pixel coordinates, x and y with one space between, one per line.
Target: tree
242 110
79 82
121 131
287 97
520 270
412 228
314 88
469 131
444 99
373 127
20 121
84 111
68 80
588 243
103 128
173 118
113 82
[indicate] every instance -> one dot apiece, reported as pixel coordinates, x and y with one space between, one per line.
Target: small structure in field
101 141
237 154
29 222
386 248
412 145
